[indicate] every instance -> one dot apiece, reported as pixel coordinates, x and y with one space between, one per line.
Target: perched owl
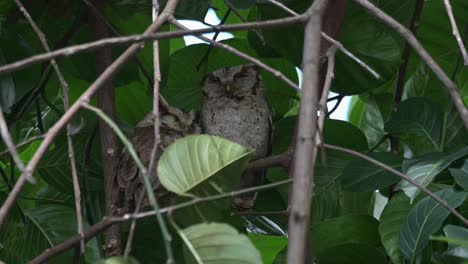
174 124
234 107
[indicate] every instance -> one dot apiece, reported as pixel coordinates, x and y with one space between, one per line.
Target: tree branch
455 31
304 162
91 46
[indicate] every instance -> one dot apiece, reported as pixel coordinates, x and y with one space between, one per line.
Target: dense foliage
361 213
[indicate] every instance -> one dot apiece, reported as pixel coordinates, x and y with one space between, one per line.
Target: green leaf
7 89
424 220
333 134
45 226
218 243
352 253
192 160
461 175
457 239
55 166
363 176
391 220
360 229
424 169
243 4
425 122
269 246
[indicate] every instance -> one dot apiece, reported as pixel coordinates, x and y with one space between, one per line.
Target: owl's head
232 82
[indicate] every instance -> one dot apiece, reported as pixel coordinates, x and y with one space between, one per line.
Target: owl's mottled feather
234 107
174 124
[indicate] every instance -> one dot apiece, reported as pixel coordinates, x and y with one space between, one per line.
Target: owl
174 124
235 107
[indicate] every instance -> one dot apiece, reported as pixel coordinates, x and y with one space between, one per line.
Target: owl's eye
214 79
241 75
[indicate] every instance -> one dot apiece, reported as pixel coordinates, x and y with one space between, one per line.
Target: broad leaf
457 239
391 220
425 122
214 161
424 169
360 229
424 220
461 175
352 253
362 176
269 246
218 243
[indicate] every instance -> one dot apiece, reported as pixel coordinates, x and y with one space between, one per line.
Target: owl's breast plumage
245 121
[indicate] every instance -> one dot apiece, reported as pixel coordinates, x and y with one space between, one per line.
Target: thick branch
304 162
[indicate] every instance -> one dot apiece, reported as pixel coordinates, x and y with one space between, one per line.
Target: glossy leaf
352 253
424 220
361 176
424 169
269 246
218 243
197 159
391 220
457 239
461 175
426 122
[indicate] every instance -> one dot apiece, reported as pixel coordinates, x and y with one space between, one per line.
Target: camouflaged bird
235 107
174 124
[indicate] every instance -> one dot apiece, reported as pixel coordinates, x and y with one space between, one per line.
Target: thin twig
71 152
24 143
242 55
12 149
449 85
84 98
109 42
144 173
282 6
455 31
236 12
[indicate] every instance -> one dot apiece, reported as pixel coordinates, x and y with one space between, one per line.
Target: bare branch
84 98
455 31
449 85
282 6
91 46
305 153
24 143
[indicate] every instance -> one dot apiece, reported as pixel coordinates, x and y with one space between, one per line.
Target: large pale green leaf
424 169
461 175
425 122
214 161
361 176
391 220
424 220
218 243
354 229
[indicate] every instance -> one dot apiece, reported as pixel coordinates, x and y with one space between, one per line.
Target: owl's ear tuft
252 68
